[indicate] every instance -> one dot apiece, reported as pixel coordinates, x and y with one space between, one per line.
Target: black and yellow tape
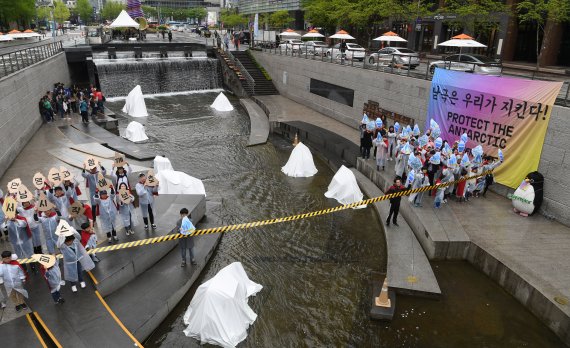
248 225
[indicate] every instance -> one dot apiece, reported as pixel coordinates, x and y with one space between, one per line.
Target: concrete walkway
527 256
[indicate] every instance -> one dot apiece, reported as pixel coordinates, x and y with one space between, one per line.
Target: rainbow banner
497 112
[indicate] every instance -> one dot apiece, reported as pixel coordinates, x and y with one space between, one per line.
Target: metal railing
249 81
17 60
424 70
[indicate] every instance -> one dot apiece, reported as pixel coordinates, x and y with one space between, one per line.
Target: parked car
353 51
292 45
396 56
473 63
316 47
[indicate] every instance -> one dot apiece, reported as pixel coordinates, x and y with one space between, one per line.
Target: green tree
111 10
150 11
60 13
231 19
541 12
475 15
84 10
198 13
43 12
280 19
20 11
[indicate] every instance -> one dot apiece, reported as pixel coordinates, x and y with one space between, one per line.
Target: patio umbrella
461 41
14 31
341 34
313 33
390 37
290 32
30 33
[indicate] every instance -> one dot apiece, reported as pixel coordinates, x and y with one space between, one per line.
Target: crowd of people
422 160
113 208
62 101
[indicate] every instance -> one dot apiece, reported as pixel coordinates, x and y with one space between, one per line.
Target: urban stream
315 272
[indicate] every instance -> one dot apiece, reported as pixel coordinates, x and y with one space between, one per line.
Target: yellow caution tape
248 225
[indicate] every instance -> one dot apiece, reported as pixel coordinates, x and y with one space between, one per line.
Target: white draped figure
134 104
222 103
175 182
219 313
300 163
135 132
344 188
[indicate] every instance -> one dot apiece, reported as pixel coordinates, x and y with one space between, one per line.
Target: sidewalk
527 256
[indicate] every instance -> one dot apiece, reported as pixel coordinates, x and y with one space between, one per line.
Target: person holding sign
49 269
75 259
145 191
80 213
91 177
126 209
123 170
20 237
185 227
27 211
70 184
13 276
59 198
89 240
107 211
49 220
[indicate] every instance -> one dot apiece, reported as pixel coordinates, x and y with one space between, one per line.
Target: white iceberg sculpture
161 163
219 313
300 163
135 132
222 103
174 182
135 105
344 188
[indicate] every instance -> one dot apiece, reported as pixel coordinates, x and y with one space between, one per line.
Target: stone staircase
263 86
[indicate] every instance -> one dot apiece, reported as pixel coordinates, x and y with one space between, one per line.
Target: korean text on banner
497 112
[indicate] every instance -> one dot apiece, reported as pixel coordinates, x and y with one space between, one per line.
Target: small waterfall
118 77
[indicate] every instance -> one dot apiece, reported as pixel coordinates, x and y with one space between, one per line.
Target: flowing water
118 77
315 272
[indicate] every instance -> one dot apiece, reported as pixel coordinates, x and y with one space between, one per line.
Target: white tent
289 33
390 37
344 188
300 163
222 103
219 313
124 21
342 35
135 132
134 104
175 182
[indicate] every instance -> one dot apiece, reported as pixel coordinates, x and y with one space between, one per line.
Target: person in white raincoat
381 143
127 211
49 221
121 175
401 159
61 201
146 200
13 277
75 259
20 239
420 180
91 183
107 214
52 275
27 211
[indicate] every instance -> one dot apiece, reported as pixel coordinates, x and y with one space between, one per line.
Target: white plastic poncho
344 188
219 313
135 132
222 103
134 104
72 255
12 276
300 163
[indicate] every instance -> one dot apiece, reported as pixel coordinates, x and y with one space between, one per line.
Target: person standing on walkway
20 237
52 275
13 276
146 200
121 175
394 202
75 259
89 240
27 211
60 199
49 221
107 213
366 142
184 226
126 208
91 183
227 41
84 110
170 36
391 142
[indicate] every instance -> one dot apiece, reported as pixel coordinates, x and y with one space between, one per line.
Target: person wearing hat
27 212
91 183
89 240
49 220
107 212
184 226
13 276
75 259
50 271
146 200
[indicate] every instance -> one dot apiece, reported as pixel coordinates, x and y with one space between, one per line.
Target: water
119 77
315 272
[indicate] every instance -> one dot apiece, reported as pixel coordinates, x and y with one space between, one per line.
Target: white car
292 45
353 52
396 56
316 47
473 63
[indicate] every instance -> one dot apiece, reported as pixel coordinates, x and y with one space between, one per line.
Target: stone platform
259 124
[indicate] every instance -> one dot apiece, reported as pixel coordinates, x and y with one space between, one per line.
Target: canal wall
19 111
409 97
